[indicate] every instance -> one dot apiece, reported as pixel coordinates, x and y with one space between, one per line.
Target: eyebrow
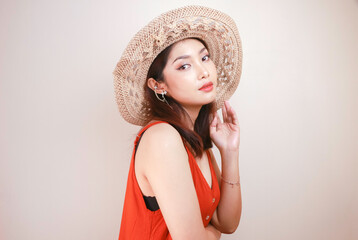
188 56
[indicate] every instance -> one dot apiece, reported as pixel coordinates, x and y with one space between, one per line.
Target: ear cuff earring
162 99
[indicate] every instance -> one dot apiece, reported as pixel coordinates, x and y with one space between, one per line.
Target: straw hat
215 28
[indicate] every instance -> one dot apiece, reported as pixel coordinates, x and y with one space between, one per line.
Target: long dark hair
199 139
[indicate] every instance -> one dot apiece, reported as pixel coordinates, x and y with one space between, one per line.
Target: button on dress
140 223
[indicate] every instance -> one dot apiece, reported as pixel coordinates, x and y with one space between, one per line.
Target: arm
213 233
227 216
226 137
167 169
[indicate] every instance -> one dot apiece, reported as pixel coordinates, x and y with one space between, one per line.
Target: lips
207 87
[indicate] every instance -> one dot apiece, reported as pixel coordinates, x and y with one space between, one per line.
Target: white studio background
65 150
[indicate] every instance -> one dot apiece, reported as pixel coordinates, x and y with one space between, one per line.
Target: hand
226 134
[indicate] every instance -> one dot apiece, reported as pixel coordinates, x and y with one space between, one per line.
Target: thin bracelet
231 183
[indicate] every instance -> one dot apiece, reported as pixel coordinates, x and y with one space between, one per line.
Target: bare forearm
212 232
229 209
226 136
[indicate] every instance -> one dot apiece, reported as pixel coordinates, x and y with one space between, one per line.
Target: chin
209 100
212 98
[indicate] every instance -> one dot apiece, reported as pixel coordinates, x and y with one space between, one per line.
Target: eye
183 67
206 58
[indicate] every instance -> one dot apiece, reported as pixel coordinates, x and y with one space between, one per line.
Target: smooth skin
162 168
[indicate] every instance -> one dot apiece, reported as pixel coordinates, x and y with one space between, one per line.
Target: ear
151 83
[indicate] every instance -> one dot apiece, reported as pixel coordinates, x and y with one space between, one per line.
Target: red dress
140 223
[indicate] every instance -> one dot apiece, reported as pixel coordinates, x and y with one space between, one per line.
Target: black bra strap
151 203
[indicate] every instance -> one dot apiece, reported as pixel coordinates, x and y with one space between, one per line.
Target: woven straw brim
215 28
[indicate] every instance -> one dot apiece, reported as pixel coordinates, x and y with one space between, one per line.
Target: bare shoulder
162 132
161 140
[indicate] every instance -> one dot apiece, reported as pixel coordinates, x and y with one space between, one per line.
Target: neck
193 113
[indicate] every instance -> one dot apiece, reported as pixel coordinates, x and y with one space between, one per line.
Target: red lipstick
207 87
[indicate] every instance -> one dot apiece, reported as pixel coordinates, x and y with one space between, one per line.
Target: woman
168 81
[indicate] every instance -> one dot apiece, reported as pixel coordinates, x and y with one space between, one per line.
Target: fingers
230 114
213 124
218 118
224 112
233 116
227 112
214 121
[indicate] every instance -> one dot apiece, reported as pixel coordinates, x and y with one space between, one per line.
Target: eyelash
208 57
183 66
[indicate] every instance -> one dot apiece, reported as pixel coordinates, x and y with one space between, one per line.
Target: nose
203 72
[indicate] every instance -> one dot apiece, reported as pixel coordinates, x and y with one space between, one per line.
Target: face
190 75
